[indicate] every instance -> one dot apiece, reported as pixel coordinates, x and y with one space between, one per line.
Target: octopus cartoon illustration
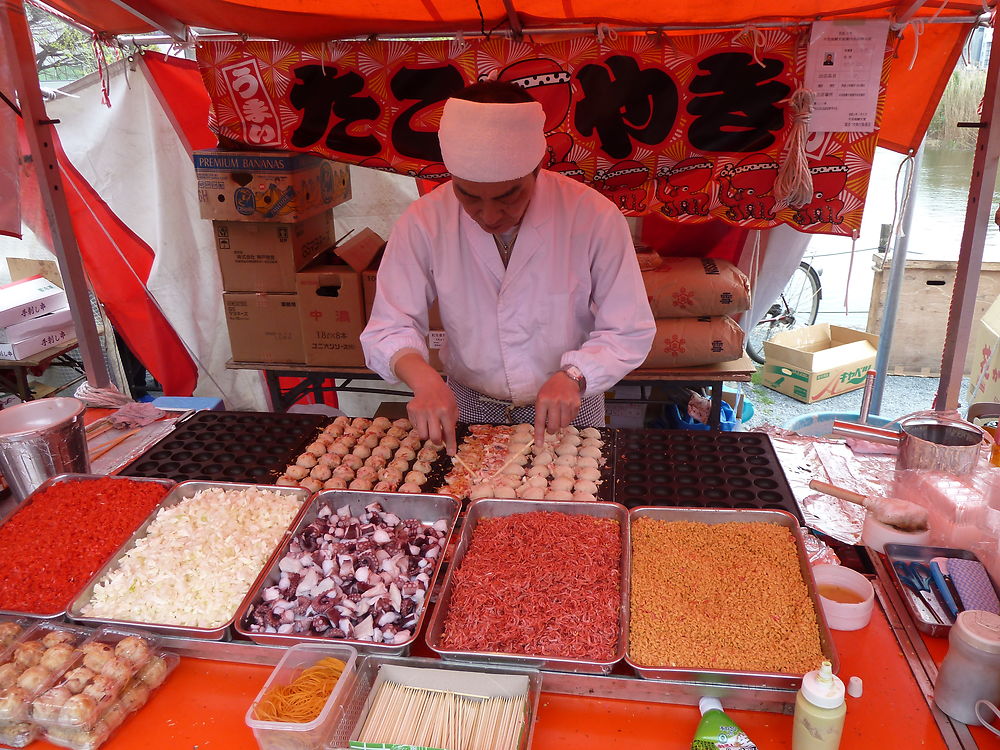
558 146
829 175
746 188
437 172
551 87
681 188
624 184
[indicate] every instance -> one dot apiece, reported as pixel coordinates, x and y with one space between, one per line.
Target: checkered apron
476 408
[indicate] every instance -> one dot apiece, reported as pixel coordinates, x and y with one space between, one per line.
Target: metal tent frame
16 36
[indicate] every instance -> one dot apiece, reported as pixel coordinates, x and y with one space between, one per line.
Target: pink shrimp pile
541 584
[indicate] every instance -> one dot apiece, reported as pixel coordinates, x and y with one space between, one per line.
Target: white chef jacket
572 293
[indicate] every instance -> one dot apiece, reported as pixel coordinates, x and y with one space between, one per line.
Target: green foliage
959 103
62 52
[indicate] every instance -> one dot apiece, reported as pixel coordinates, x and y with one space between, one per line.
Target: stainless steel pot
930 443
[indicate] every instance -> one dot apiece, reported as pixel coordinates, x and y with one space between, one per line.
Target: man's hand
432 410
557 405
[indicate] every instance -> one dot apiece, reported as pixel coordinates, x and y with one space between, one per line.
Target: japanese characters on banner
690 126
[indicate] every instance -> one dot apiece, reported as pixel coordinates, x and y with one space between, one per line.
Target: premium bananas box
282 186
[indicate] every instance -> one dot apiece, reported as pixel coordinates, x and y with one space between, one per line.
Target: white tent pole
977 219
37 125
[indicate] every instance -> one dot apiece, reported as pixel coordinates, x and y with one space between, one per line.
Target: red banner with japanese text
690 126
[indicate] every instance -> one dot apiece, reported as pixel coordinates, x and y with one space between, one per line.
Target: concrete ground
902 396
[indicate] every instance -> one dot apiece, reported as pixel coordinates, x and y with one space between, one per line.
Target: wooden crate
922 315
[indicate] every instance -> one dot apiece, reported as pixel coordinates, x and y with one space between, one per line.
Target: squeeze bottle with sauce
819 711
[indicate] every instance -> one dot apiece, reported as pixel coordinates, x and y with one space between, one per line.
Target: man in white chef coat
535 274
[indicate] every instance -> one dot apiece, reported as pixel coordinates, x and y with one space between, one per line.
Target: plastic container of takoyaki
181 492
34 663
682 468
427 509
12 628
59 479
91 724
106 664
306 735
229 446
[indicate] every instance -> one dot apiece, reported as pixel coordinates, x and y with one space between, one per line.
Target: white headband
486 142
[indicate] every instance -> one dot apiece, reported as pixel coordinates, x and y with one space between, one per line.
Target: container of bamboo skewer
303 735
431 704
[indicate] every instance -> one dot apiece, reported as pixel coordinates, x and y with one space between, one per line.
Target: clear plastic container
281 735
11 629
114 713
28 668
108 665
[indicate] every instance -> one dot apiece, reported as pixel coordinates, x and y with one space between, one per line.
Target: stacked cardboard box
34 316
272 215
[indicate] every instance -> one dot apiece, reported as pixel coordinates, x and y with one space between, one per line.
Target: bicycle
796 307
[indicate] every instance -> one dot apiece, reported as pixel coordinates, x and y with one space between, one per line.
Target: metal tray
181 492
922 553
425 508
732 677
58 479
354 702
487 508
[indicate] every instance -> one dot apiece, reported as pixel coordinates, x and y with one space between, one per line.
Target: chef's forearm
411 367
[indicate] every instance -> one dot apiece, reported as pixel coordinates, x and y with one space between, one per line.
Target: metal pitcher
39 439
926 442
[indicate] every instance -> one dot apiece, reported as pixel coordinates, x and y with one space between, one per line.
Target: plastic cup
40 439
843 615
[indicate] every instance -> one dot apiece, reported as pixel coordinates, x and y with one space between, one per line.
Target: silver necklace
506 248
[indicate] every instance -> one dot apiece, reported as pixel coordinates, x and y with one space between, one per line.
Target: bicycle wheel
796 307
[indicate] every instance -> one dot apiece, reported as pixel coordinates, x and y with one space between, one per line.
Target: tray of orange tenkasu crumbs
723 597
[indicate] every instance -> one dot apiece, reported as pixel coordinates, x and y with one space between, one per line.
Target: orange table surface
202 707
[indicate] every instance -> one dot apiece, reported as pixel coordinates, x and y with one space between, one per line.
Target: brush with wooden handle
901 514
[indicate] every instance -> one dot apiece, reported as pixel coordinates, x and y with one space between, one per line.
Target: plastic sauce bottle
971 670
819 711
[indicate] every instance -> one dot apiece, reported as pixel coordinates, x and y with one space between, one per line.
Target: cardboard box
332 299
984 357
38 343
925 294
264 327
263 256
280 186
29 298
52 322
625 415
331 315
817 362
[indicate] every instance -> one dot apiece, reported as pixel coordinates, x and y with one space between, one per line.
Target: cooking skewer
100 450
892 511
512 459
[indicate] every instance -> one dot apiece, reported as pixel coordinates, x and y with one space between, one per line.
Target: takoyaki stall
582 591
302 581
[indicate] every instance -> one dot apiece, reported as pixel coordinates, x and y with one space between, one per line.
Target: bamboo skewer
425 717
513 457
103 448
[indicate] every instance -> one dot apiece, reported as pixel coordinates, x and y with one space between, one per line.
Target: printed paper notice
844 69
